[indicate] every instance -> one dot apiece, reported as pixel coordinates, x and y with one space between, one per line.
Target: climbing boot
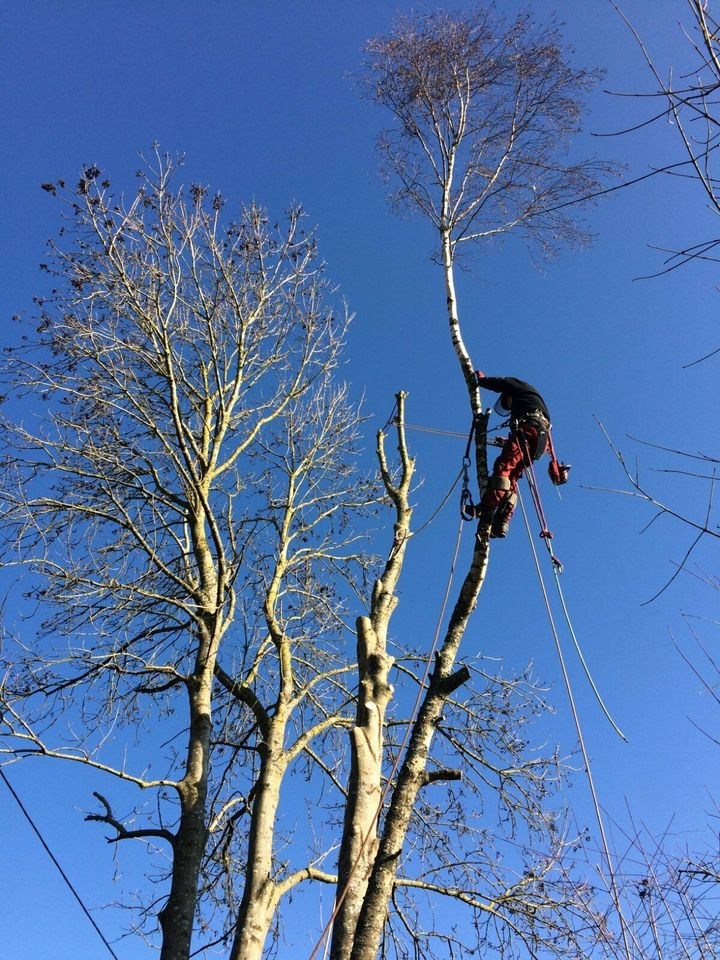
499 528
501 521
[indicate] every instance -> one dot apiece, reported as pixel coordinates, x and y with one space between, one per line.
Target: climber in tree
529 421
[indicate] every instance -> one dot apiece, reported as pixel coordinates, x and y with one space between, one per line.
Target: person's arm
496 384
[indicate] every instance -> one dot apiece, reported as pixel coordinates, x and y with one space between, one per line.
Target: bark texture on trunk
259 899
456 337
468 371
178 914
412 776
359 843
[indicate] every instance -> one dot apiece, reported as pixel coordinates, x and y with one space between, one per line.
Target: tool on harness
539 423
468 509
467 504
557 471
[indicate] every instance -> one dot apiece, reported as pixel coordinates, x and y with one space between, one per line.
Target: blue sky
259 98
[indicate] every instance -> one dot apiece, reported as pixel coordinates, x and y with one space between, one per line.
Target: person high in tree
529 420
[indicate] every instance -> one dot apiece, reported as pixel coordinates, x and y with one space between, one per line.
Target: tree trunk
259 899
468 371
359 841
412 773
456 337
178 914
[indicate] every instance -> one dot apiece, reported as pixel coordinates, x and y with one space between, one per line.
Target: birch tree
482 113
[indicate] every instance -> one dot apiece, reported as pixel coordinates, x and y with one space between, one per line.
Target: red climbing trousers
500 497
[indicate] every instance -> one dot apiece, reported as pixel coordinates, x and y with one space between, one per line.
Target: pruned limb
436 776
446 686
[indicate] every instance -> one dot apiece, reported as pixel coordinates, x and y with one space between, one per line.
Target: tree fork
359 841
413 774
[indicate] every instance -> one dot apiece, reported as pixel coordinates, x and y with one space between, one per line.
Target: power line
57 865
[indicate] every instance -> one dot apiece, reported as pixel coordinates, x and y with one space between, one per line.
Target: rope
581 739
585 667
391 418
445 499
57 865
340 899
557 570
448 433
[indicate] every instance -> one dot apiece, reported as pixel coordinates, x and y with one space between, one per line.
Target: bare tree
671 893
689 101
484 111
687 98
183 504
190 513
190 518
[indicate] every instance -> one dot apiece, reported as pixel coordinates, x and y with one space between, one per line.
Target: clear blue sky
258 97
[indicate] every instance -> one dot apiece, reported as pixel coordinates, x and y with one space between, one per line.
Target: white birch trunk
360 843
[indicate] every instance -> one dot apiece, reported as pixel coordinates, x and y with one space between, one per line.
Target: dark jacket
523 397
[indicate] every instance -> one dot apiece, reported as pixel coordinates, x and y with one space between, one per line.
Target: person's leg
526 440
500 484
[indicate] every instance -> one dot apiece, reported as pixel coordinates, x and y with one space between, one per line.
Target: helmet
503 404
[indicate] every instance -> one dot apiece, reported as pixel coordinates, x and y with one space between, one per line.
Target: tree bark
178 914
412 773
359 841
259 898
